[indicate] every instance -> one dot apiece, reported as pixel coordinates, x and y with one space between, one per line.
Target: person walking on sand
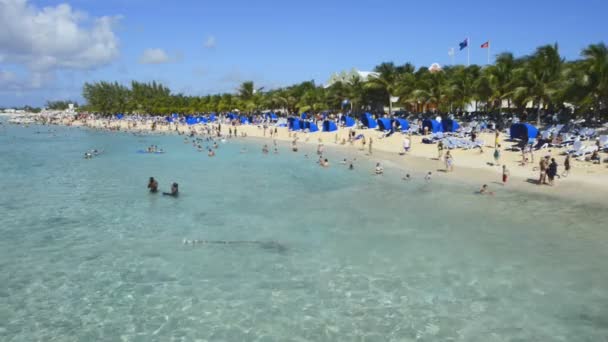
406 145
449 162
363 144
497 139
497 155
552 171
370 146
440 149
505 175
566 166
542 165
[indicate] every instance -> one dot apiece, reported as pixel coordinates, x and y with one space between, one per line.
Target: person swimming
153 185
379 169
211 153
428 177
485 191
343 162
265 149
351 166
174 191
407 177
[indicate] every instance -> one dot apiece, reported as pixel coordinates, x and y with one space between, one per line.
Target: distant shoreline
588 182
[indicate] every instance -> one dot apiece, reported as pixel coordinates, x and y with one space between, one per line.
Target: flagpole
468 51
489 52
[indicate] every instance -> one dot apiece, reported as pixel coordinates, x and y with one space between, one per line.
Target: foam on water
87 254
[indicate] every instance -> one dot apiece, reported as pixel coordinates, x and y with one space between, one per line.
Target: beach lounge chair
584 151
577 147
603 141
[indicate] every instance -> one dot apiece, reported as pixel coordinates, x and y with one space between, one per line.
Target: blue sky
201 47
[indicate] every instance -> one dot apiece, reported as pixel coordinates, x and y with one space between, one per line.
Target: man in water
153 185
174 191
407 177
484 190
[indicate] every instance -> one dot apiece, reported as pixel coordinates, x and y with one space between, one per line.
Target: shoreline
587 183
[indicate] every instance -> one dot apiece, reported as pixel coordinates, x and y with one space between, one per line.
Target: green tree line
544 79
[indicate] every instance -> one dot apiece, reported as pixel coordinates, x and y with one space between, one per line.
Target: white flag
451 52
394 99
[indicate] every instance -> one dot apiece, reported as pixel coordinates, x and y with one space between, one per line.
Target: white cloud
42 39
210 42
11 81
154 56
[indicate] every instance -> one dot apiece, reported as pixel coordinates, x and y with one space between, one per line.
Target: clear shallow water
86 254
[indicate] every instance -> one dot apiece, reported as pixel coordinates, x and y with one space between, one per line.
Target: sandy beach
586 181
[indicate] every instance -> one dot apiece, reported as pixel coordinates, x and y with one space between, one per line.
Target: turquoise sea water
87 254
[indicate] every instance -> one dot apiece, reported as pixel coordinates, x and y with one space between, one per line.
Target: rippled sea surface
311 254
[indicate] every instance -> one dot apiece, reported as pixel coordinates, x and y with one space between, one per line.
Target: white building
348 76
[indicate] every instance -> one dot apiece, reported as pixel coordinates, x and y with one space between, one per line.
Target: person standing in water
153 185
174 191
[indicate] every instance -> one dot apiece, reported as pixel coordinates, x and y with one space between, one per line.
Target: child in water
153 185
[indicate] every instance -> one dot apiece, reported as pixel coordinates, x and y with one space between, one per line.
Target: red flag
485 45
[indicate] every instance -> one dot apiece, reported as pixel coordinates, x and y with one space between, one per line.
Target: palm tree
541 76
596 75
246 90
500 77
386 79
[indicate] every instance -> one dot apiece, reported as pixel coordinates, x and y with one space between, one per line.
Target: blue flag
464 44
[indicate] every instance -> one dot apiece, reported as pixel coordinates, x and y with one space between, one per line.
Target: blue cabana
434 126
450 125
304 116
295 124
212 117
368 120
329 126
169 119
244 120
384 124
403 124
311 126
120 116
348 121
523 131
191 120
201 119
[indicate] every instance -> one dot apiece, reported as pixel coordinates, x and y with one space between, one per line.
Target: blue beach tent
434 126
244 120
212 117
312 127
402 124
348 121
304 116
368 120
120 116
329 126
294 124
384 124
523 131
450 125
